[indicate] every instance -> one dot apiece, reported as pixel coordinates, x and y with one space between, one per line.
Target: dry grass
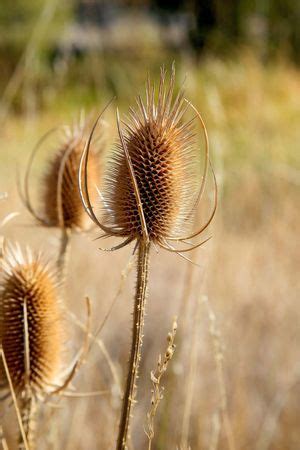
157 389
248 272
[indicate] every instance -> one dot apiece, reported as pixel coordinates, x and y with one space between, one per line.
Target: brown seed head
61 200
30 323
154 180
165 164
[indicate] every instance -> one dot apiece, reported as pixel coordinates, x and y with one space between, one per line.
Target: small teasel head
60 204
155 177
31 328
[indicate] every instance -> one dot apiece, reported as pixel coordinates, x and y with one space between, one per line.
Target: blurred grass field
234 382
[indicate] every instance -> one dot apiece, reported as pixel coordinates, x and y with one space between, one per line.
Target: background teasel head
31 329
60 199
154 182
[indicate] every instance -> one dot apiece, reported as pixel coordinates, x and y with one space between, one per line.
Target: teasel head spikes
32 336
60 204
31 328
154 182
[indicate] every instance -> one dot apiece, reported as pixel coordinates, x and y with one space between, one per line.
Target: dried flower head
153 182
60 199
30 322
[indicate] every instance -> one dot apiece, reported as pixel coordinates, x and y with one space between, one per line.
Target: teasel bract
60 204
4 221
152 188
31 331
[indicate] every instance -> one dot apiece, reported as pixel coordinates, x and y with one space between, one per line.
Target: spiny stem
136 345
63 255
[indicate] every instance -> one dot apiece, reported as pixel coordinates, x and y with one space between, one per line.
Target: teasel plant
32 338
153 185
59 198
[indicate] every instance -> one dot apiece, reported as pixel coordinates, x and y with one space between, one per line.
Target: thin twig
268 428
219 357
3 440
191 380
156 376
102 347
94 336
63 255
124 275
15 402
80 360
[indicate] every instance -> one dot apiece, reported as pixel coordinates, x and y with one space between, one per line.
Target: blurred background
89 49
234 382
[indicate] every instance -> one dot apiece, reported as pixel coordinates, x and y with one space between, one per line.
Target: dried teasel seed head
31 329
61 199
155 178
159 146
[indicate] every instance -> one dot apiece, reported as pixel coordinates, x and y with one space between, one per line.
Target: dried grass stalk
157 389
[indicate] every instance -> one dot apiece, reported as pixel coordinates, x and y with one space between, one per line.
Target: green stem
136 345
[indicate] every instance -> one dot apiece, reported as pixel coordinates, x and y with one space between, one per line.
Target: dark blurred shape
205 20
97 12
115 33
273 26
214 26
284 27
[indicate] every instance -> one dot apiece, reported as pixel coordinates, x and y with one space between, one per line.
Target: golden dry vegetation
234 379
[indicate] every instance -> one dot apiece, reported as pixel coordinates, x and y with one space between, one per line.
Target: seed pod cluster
31 331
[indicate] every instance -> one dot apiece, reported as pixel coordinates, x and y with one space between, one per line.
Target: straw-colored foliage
234 378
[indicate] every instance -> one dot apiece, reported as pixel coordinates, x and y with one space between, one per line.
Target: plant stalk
64 249
136 344
28 412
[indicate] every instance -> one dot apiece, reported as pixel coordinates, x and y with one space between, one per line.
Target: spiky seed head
31 329
165 163
60 197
